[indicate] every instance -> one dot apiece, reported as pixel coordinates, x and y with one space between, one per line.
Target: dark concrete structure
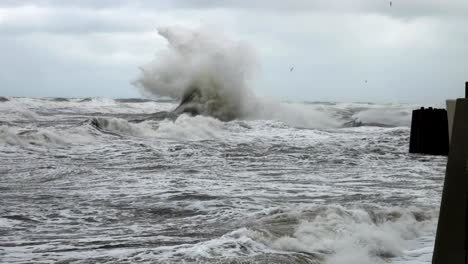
429 132
451 244
466 89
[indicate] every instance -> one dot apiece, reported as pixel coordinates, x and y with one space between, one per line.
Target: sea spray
207 72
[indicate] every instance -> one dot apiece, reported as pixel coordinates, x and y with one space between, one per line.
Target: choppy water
199 190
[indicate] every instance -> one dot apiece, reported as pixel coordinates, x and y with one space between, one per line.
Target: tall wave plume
207 72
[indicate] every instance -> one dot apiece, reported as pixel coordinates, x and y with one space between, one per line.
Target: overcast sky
341 50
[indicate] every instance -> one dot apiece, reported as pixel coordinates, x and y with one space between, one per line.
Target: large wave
207 72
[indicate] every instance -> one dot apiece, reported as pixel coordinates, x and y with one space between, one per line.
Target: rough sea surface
198 190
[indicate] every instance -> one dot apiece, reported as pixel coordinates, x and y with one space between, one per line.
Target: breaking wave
348 235
207 73
117 126
42 137
193 128
323 234
184 128
295 114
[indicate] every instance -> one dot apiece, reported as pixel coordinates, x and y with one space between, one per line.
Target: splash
207 72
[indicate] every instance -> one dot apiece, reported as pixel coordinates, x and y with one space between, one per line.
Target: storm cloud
365 50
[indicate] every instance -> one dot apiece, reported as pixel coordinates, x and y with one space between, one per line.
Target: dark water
198 190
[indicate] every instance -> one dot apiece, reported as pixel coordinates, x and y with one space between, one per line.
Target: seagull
292 69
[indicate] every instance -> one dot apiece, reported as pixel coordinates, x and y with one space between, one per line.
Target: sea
100 180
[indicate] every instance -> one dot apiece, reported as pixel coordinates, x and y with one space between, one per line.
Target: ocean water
82 182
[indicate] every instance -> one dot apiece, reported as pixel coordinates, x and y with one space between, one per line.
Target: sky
341 50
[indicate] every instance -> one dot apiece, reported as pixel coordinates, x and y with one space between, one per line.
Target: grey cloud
333 44
27 70
88 16
65 20
107 16
89 4
399 8
62 3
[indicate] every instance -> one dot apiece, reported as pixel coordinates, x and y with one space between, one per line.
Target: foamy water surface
198 190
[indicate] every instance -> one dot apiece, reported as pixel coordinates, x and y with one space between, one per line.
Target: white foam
123 127
23 108
7 223
192 128
336 234
355 236
183 128
44 137
233 244
8 135
296 115
12 111
384 116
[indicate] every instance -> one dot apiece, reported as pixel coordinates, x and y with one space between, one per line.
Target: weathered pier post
451 111
466 89
451 244
429 131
